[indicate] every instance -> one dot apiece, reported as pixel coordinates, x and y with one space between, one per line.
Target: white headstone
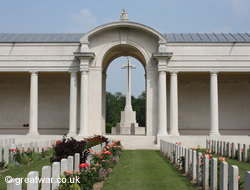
244 152
221 148
64 165
14 184
26 145
223 175
6 154
199 173
194 165
229 150
20 147
40 144
190 162
1 153
33 178
239 152
36 147
6 142
46 176
233 177
186 161
70 163
55 174
247 180
213 177
206 172
77 161
233 150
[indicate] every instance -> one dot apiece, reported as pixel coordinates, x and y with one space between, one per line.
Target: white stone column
73 105
33 126
174 104
214 107
84 131
162 104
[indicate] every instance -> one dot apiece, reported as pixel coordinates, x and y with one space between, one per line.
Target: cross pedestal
128 116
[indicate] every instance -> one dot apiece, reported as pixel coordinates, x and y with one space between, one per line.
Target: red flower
101 157
201 163
119 146
194 149
90 151
239 178
12 149
15 149
201 156
43 148
83 165
208 142
242 150
47 147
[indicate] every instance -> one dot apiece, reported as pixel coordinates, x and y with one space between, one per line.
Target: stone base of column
71 134
174 134
161 136
33 134
214 134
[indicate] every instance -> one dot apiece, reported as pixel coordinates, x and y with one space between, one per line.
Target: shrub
24 160
35 156
10 166
68 147
98 139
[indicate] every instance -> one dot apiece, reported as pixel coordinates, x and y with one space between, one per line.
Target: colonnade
162 104
33 123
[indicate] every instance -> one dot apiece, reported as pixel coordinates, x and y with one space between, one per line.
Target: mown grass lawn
22 172
145 169
243 167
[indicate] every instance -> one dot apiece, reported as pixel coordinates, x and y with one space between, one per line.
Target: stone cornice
163 55
80 55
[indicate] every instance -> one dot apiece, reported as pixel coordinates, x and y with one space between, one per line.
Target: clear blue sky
61 16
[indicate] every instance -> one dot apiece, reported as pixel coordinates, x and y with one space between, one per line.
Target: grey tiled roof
171 37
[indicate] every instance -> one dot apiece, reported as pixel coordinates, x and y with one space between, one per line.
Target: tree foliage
115 103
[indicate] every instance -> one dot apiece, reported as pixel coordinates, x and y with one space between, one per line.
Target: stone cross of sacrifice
128 91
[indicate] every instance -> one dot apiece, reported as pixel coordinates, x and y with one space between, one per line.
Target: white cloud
83 21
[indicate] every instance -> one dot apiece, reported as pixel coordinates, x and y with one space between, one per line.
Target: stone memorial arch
101 46
196 84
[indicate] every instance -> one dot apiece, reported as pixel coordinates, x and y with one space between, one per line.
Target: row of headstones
228 150
193 163
34 146
9 141
50 176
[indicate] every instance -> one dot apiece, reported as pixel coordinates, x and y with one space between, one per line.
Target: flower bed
99 169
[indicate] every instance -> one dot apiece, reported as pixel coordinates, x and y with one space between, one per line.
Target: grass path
22 172
145 169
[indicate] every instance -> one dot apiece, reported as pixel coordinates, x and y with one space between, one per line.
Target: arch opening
114 58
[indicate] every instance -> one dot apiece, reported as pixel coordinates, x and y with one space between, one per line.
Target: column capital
214 72
73 71
174 72
85 72
33 72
